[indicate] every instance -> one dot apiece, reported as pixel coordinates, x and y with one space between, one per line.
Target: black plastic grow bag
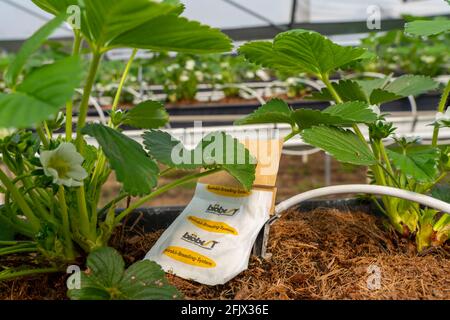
157 218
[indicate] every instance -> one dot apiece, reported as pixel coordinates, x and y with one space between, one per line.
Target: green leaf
55 7
88 293
216 150
312 52
134 169
274 111
108 19
106 279
41 94
29 47
300 51
223 151
307 118
404 86
441 192
277 111
367 86
169 151
380 96
427 27
356 112
173 33
145 280
263 54
344 145
343 115
107 265
104 21
420 165
411 85
147 115
348 90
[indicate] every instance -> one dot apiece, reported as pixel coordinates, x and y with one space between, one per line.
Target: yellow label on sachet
190 257
212 226
227 191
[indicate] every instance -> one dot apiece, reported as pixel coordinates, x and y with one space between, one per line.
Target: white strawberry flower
190 65
199 75
184 77
173 67
428 59
64 165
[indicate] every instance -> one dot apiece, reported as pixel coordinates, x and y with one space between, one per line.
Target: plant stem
114 201
69 105
441 108
291 135
8 275
65 224
122 83
83 213
81 198
86 96
47 131
359 133
42 136
20 200
20 248
161 190
386 158
14 243
326 80
100 168
379 175
435 182
443 221
166 172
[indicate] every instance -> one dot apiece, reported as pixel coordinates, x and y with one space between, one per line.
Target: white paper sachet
211 241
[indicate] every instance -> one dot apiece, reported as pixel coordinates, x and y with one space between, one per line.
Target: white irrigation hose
367 74
362 188
243 87
97 107
301 152
99 110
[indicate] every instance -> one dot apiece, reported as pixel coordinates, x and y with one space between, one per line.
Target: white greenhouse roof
20 18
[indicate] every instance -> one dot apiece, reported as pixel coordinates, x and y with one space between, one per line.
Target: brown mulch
324 254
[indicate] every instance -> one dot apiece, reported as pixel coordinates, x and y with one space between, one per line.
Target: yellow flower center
61 166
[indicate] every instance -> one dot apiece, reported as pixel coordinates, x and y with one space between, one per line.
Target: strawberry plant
356 104
52 183
402 53
107 279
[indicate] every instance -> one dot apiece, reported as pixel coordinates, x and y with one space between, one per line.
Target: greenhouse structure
225 150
